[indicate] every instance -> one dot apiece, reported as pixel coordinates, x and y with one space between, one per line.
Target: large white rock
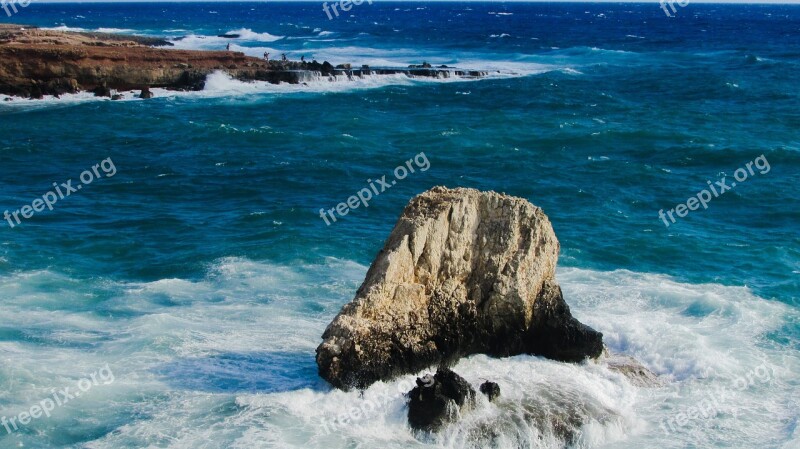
463 272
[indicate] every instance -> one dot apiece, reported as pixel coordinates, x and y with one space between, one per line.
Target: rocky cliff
36 62
463 272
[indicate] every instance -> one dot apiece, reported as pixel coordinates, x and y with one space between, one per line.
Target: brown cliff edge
36 62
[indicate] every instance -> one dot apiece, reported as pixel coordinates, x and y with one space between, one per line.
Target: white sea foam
115 30
227 361
377 57
247 34
220 84
16 103
98 30
205 42
65 28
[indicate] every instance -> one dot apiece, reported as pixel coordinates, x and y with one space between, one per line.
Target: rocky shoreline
36 62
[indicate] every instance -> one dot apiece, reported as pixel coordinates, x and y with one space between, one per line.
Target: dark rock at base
146 93
36 92
102 91
192 80
438 400
117 97
491 390
61 86
556 334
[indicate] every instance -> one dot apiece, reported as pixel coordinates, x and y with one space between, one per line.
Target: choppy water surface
202 274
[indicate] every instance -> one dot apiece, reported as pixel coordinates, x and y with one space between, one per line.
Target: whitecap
241 339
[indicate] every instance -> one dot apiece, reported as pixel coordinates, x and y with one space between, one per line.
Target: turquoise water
202 273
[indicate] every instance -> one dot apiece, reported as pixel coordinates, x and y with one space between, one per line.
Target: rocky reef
462 272
36 62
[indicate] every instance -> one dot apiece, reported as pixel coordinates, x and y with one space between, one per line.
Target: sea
175 294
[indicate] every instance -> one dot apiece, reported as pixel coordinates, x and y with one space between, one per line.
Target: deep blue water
603 114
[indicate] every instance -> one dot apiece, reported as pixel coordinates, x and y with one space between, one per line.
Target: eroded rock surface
463 272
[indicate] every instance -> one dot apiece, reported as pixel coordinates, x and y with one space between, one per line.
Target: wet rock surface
491 390
635 371
438 400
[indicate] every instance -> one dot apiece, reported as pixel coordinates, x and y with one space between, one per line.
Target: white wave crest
240 342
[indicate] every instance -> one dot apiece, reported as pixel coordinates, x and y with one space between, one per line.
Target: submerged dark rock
438 400
491 390
463 272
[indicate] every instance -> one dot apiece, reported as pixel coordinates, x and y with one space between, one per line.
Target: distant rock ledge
463 272
35 62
